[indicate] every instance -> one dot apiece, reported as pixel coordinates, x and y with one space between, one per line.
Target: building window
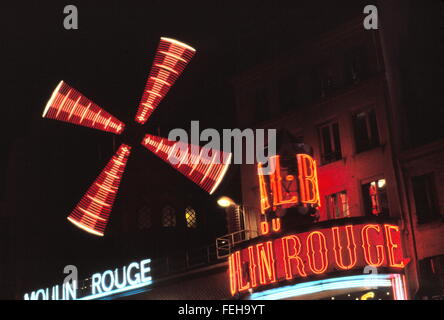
432 278
144 219
330 143
425 196
168 217
191 218
366 130
337 205
375 198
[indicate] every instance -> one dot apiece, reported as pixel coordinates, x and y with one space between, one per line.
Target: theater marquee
321 251
331 248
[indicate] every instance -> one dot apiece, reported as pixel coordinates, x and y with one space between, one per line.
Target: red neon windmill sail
171 59
92 212
205 167
68 105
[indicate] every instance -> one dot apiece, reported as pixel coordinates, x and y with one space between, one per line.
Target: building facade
343 95
347 99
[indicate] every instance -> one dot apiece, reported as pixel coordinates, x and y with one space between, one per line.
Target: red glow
265 258
319 251
265 228
243 286
232 274
205 167
308 180
338 248
367 245
170 60
290 191
276 224
92 212
68 105
393 249
265 204
252 266
276 185
291 258
316 252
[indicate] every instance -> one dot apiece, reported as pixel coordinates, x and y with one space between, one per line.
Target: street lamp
225 202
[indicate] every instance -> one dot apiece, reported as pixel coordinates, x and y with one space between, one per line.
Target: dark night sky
50 164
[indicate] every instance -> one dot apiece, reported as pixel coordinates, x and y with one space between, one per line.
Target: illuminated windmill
205 167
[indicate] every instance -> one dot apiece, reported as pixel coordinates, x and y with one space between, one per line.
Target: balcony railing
184 261
225 244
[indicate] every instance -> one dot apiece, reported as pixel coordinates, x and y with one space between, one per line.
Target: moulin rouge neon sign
315 252
302 189
282 189
110 282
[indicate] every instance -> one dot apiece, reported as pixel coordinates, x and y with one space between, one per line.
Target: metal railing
225 244
182 261
187 260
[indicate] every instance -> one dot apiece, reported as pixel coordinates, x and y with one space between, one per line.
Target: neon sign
191 163
284 189
92 212
171 58
317 252
110 282
68 105
393 280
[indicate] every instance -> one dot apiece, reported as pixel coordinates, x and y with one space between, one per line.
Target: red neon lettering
308 180
233 274
265 227
252 266
366 244
322 251
265 204
351 248
392 246
276 224
276 183
240 273
267 272
294 256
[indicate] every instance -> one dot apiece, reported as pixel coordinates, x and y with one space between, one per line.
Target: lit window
191 218
375 198
366 130
337 205
330 143
168 217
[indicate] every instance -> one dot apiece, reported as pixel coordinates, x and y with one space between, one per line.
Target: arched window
168 217
191 218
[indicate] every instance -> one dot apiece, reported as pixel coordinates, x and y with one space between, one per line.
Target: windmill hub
133 135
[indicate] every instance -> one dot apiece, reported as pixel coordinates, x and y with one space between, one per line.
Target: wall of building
380 88
210 283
